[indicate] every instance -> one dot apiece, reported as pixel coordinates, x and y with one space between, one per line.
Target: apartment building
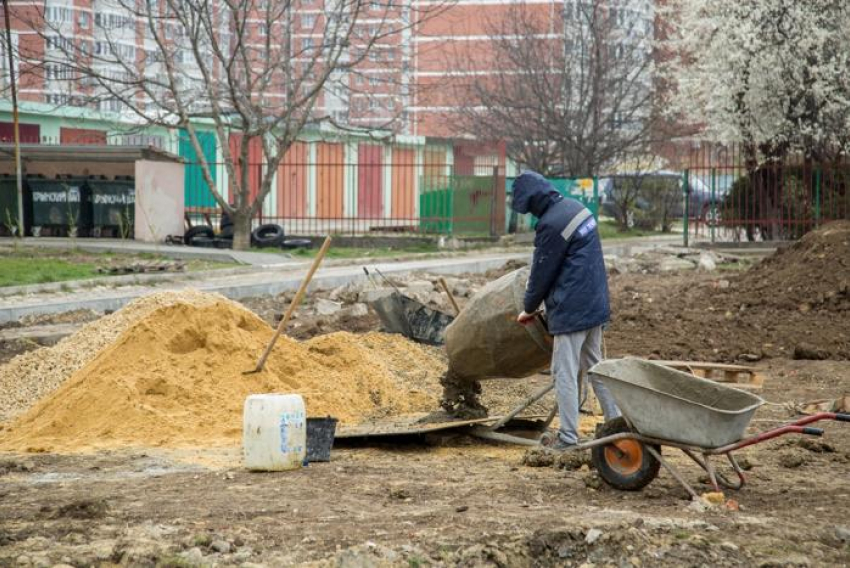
412 78
373 92
460 47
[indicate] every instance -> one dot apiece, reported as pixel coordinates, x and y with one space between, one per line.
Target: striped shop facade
327 181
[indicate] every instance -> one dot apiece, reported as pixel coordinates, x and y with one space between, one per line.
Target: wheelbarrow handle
842 416
809 431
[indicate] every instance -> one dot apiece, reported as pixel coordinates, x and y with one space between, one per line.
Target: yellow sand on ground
175 379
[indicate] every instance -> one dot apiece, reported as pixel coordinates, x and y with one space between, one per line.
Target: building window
58 14
307 44
58 99
83 20
58 42
373 56
110 105
308 21
109 21
263 29
373 81
57 72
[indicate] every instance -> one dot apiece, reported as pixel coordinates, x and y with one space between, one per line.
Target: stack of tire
265 236
204 235
225 232
199 236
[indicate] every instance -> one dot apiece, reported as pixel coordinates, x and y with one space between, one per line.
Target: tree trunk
241 230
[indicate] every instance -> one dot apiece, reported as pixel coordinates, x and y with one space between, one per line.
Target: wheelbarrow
664 407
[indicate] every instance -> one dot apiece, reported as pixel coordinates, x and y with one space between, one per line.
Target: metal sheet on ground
411 425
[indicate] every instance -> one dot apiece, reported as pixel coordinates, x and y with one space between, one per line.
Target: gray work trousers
574 354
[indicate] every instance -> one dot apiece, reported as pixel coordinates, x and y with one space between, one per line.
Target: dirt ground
451 500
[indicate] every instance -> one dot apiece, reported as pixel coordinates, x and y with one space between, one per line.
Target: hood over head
532 193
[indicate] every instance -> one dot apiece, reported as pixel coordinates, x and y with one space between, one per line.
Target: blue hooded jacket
568 269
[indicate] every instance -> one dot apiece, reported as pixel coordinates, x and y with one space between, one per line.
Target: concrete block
672 264
327 307
357 310
374 294
417 287
707 262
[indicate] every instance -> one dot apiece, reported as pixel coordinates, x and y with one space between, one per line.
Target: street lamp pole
14 87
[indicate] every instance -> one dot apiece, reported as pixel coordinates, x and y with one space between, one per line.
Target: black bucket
320 438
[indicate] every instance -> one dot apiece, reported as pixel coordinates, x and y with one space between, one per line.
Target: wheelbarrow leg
709 467
742 479
715 476
671 470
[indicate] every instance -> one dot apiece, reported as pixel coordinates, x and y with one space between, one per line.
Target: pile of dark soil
794 304
811 274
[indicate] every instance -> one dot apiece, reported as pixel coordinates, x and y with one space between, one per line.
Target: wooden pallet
739 376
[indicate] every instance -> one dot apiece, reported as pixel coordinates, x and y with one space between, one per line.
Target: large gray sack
485 340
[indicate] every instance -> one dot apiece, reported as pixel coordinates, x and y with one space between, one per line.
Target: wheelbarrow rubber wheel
626 464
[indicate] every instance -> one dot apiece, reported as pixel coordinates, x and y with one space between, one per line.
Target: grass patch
20 271
22 266
739 266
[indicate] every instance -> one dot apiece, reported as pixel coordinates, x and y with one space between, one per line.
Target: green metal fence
585 190
459 205
772 202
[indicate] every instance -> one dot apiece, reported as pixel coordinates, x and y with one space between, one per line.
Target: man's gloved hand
525 318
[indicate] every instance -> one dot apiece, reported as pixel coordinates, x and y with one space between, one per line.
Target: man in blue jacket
568 274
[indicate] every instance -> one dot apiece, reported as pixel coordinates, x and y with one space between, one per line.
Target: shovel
299 295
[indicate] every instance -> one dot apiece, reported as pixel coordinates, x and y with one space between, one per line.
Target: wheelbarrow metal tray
667 404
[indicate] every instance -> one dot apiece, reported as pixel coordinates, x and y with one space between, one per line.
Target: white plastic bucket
274 432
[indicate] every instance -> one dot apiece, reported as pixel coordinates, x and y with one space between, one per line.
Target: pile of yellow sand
31 376
175 379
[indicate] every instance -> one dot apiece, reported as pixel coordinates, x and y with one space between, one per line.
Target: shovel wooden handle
299 295
450 295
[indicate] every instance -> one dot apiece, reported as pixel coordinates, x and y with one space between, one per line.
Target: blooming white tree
773 75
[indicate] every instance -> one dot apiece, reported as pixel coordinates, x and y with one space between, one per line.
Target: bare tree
264 69
571 92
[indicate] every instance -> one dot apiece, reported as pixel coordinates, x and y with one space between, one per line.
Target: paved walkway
269 280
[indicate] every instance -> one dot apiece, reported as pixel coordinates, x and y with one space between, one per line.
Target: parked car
659 197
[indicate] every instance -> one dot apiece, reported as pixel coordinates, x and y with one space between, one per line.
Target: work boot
552 441
561 446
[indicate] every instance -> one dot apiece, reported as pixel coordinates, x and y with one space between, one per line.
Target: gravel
32 375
